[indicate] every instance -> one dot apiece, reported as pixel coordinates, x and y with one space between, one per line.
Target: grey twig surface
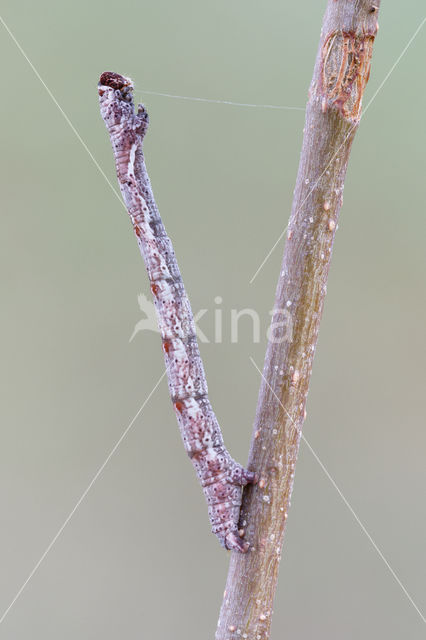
332 117
221 477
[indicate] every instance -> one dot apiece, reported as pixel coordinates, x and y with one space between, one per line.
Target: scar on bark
346 61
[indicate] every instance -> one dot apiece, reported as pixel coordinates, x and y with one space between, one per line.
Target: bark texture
333 112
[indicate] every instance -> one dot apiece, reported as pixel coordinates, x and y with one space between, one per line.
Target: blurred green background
137 559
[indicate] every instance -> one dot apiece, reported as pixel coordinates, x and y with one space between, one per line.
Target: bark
332 117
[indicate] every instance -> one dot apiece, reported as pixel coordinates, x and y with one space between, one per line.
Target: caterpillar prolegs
220 476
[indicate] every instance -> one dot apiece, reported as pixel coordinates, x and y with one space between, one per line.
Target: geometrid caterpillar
221 477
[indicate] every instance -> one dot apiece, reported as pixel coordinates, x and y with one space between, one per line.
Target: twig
332 117
221 477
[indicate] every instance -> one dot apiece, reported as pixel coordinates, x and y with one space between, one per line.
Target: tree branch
332 117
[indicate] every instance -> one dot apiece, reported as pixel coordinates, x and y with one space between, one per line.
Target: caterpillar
221 478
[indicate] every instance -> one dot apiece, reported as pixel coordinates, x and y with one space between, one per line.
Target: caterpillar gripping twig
221 477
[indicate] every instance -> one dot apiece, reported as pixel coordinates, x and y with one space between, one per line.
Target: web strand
214 101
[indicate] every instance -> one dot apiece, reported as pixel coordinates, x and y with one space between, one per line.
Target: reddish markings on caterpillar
179 406
220 476
346 61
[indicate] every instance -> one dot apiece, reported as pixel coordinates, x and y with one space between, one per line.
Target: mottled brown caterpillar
221 477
